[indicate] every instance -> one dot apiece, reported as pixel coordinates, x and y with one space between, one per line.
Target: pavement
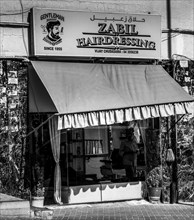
131 210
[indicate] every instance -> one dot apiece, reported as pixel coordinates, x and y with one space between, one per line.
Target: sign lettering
87 34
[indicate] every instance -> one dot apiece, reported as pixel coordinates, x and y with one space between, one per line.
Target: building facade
86 146
175 15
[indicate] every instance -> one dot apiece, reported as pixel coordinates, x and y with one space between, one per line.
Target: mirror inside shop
93 154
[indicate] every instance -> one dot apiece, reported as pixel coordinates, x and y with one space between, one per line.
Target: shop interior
89 155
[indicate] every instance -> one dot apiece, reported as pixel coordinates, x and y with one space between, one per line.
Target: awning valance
87 94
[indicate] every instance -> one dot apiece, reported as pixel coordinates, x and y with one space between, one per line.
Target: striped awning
87 94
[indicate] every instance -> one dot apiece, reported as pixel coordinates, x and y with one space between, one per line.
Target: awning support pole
174 182
173 126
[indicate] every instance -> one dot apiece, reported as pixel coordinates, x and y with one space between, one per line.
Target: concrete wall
14 41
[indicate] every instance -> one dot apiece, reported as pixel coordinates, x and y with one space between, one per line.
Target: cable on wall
25 45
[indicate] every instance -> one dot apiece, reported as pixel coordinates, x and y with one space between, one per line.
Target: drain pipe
174 182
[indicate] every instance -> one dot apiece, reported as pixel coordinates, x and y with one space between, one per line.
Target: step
22 212
16 204
13 206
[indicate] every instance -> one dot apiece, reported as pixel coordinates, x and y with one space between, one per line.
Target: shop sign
92 34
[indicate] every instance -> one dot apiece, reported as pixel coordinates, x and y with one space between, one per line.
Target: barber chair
113 168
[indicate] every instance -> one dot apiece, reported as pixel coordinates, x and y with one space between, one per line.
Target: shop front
97 119
80 111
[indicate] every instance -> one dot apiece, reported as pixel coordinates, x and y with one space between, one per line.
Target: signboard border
33 43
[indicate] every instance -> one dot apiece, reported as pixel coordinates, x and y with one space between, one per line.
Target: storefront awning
87 94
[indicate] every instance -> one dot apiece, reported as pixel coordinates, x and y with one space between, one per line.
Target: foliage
38 189
11 181
184 75
152 148
154 177
186 192
185 142
13 116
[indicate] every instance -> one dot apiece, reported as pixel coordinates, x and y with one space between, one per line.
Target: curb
17 204
22 212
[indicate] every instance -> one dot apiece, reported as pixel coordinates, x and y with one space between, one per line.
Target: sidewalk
132 210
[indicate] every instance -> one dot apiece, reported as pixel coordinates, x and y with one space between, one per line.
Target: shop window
119 133
96 141
81 150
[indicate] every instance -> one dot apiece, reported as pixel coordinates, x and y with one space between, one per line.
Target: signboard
95 34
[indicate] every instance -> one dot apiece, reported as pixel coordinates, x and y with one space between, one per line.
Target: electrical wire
179 55
39 126
175 35
25 45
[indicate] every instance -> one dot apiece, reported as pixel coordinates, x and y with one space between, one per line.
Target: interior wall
99 133
93 164
116 134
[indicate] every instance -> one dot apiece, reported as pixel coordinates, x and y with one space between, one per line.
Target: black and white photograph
97 109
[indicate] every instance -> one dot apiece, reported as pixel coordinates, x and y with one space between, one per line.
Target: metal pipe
168 16
190 32
25 59
8 24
